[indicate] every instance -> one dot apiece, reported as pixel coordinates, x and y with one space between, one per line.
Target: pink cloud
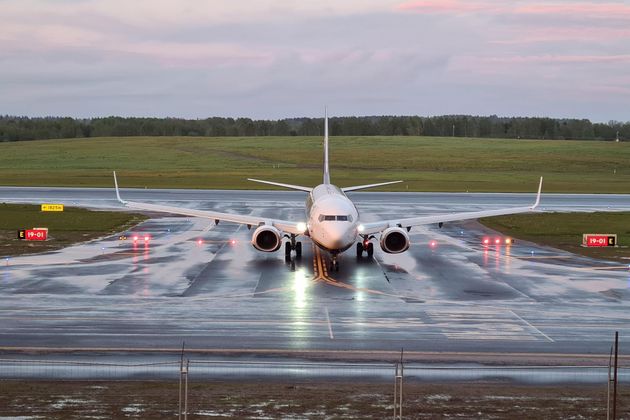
592 10
572 34
445 6
574 9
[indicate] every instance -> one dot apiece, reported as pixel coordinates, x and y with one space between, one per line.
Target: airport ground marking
332 337
533 327
322 276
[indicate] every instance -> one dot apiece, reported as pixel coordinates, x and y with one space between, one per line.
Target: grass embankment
564 231
424 163
318 400
64 228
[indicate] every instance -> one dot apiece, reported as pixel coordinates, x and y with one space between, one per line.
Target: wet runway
207 285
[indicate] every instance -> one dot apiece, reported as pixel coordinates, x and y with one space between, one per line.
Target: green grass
425 163
564 231
64 228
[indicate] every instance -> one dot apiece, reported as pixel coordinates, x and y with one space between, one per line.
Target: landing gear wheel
359 249
298 249
287 251
370 250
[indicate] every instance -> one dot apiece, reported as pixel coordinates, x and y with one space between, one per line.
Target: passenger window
329 217
342 218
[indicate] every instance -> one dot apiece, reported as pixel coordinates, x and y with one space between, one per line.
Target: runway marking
332 337
322 276
533 327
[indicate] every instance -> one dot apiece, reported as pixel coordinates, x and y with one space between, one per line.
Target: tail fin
326 172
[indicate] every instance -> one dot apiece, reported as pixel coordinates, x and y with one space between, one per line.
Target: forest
17 128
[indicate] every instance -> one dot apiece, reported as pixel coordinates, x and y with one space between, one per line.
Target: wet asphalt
204 284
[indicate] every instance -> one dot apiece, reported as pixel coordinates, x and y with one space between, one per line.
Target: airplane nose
336 236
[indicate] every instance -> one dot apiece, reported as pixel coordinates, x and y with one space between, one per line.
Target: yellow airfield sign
52 207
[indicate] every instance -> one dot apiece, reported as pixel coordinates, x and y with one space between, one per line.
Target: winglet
538 195
118 192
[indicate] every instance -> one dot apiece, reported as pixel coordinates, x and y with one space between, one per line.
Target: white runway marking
536 329
332 337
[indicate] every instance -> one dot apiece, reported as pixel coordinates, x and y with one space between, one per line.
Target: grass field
564 231
425 163
64 228
312 400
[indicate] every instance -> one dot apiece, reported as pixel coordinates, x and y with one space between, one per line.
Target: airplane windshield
330 218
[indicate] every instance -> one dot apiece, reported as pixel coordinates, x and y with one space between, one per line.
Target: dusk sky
277 59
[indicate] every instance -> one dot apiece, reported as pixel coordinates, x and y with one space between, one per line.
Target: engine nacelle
394 240
267 238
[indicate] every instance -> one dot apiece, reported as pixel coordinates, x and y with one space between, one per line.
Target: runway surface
459 296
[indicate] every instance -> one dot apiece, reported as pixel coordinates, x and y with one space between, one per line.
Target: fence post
614 404
181 374
608 387
186 390
398 388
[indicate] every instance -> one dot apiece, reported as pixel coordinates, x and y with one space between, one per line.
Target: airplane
332 220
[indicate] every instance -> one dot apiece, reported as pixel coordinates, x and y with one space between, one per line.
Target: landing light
360 228
508 241
301 227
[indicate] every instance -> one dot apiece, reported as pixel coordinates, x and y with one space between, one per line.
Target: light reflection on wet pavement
190 282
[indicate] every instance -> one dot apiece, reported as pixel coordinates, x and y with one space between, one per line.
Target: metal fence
291 370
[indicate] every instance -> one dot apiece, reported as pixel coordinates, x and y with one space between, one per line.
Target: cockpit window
329 218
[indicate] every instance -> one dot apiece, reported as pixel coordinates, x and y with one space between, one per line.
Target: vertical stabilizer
326 172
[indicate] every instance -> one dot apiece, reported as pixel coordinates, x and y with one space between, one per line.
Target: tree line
13 128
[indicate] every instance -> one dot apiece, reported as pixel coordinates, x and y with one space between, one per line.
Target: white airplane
332 220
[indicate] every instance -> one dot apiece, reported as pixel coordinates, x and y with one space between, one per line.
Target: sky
280 58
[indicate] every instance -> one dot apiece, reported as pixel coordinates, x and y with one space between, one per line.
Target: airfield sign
599 239
52 207
35 234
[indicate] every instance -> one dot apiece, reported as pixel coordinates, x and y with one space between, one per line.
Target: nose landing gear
334 264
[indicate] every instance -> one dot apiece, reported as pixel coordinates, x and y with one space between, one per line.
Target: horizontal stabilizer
279 184
363 187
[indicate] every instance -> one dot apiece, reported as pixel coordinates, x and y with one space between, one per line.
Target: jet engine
267 239
394 240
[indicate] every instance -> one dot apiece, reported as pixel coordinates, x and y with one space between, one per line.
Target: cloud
279 58
586 9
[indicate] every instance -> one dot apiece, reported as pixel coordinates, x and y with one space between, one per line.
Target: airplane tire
359 249
370 249
298 249
287 249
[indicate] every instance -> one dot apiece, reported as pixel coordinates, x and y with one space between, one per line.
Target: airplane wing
280 184
363 187
375 227
297 228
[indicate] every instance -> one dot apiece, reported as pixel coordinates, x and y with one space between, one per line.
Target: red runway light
135 238
199 242
233 242
486 241
146 238
433 244
497 241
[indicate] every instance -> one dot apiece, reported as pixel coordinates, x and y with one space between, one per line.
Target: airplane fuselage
332 218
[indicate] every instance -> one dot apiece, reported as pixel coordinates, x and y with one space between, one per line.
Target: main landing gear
365 246
292 245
